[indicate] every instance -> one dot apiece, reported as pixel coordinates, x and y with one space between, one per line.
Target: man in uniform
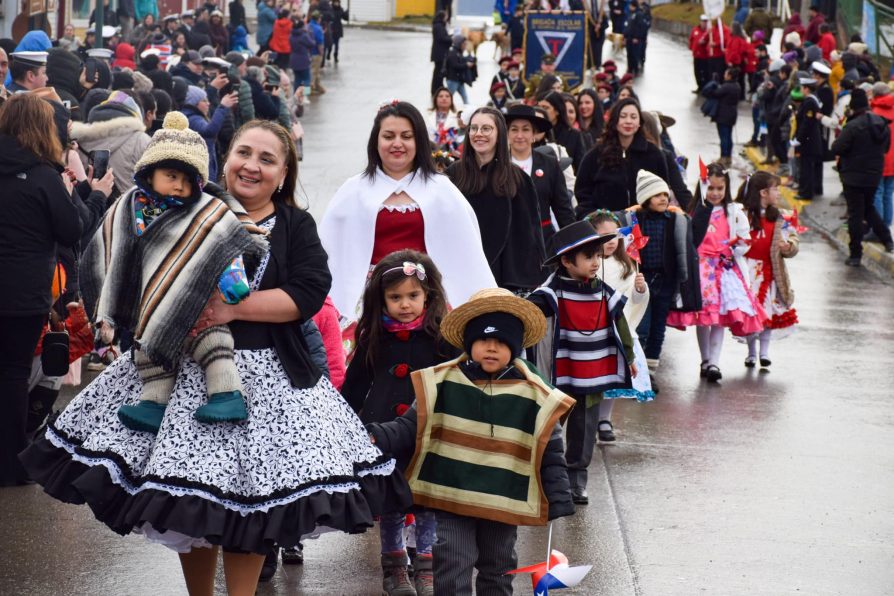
28 71
547 67
810 139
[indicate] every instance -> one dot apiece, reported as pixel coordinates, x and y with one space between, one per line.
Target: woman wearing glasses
400 202
505 201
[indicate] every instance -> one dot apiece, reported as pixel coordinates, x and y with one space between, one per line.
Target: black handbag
54 351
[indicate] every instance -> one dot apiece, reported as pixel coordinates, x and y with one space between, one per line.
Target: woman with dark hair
563 131
303 456
505 202
38 213
443 127
547 85
400 202
590 117
440 45
607 175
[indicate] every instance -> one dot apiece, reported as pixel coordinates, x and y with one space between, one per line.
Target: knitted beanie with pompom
175 142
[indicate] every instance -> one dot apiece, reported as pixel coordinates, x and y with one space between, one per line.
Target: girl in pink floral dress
722 232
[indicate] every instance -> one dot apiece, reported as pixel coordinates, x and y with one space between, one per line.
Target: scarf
158 283
393 326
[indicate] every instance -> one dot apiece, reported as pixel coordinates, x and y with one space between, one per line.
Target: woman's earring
279 188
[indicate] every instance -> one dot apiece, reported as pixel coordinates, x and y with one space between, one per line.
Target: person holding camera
264 96
197 110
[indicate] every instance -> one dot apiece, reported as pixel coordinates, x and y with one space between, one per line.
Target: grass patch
407 20
687 12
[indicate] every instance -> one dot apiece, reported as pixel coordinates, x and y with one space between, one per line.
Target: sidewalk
824 215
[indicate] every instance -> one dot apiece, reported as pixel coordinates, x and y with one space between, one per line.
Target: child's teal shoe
146 416
223 407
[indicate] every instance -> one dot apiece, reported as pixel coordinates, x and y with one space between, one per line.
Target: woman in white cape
399 202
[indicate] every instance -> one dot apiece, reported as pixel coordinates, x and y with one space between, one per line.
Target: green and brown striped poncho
479 447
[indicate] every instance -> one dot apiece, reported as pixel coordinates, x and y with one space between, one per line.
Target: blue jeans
391 532
454 86
302 77
725 132
884 200
653 326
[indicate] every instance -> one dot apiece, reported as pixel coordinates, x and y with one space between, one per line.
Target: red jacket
124 56
740 53
327 321
711 41
884 107
699 52
279 41
827 44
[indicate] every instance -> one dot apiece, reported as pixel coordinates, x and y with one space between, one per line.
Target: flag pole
549 545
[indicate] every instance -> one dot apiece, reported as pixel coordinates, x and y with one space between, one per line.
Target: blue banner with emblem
564 35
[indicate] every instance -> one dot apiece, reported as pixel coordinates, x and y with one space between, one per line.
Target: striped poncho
583 347
158 283
479 448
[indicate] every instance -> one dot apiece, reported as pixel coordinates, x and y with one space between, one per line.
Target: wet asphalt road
773 482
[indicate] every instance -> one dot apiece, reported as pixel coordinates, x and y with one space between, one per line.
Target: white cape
452 237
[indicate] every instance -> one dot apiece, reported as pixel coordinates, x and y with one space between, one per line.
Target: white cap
150 52
821 67
219 62
187 14
102 53
704 17
776 65
31 58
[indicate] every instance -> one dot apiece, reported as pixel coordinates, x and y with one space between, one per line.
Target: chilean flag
634 240
703 178
554 574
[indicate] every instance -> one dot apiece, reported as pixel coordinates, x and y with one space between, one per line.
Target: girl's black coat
614 188
375 392
510 232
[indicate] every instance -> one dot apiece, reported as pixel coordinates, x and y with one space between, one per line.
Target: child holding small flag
668 262
619 271
589 348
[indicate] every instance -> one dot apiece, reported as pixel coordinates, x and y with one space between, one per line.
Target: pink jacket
327 321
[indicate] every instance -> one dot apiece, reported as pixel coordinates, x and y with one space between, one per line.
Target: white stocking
716 343
605 409
765 342
704 342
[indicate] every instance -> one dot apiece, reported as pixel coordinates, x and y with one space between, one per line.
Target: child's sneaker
95 363
395 579
424 579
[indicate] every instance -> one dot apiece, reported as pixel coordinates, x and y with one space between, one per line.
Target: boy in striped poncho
486 443
588 347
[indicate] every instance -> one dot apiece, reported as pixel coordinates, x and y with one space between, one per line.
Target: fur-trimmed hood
124 137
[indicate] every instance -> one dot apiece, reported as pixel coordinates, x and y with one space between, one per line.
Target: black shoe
269 568
703 369
852 261
749 362
889 247
765 362
293 555
655 388
579 496
606 435
712 373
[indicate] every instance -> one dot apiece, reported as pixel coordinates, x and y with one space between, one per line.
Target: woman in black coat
607 175
38 214
440 45
504 200
563 132
727 96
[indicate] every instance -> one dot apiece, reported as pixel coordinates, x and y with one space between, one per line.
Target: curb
874 255
389 27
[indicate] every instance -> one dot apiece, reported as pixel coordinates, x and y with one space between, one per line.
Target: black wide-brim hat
523 112
574 236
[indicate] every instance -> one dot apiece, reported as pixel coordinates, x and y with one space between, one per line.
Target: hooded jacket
63 74
38 213
301 42
121 132
279 40
124 53
239 39
884 106
861 147
266 18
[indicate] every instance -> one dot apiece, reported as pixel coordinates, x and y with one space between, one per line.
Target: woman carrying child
773 239
398 332
723 234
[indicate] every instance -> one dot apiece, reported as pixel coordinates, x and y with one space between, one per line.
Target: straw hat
494 300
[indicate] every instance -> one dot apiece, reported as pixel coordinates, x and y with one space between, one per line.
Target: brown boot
424 580
395 579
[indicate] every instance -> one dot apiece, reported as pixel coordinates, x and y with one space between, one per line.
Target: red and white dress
781 316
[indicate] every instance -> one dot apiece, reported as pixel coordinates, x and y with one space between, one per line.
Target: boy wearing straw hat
486 442
589 348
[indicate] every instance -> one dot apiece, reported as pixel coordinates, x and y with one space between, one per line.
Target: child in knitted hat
487 456
163 248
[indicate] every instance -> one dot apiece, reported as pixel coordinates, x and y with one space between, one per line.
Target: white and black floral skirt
302 460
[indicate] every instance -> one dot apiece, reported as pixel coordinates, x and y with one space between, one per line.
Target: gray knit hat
879 89
648 185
